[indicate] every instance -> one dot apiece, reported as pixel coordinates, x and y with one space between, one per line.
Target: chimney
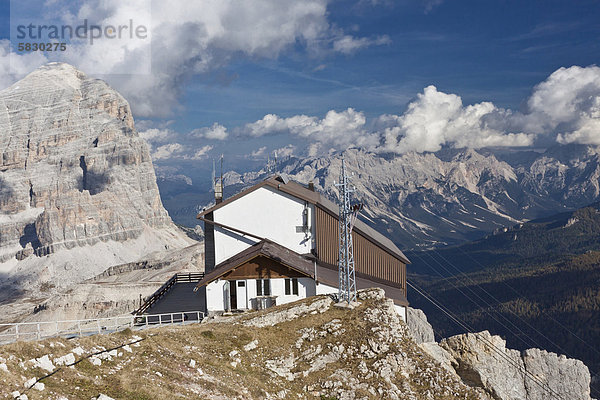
311 186
218 183
218 192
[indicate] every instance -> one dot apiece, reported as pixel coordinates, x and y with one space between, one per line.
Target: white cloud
568 102
436 119
179 151
282 152
190 38
259 153
348 44
202 152
565 107
338 129
156 135
214 132
285 151
167 151
14 66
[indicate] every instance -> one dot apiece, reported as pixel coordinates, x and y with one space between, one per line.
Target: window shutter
258 287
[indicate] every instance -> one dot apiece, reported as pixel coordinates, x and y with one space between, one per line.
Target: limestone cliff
75 179
482 361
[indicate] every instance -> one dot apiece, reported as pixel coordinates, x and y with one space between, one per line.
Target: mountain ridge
436 199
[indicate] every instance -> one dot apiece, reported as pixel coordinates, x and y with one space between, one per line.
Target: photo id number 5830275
42 47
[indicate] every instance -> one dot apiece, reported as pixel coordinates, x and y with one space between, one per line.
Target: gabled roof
302 192
266 248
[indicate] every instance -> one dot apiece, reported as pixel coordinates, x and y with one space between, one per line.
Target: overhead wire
548 315
493 347
530 341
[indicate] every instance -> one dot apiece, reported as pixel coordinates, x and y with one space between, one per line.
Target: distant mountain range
429 199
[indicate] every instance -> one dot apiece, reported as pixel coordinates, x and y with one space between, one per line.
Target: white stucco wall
325 289
306 288
265 212
216 293
215 296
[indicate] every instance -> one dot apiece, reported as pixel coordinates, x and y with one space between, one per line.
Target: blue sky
367 66
481 50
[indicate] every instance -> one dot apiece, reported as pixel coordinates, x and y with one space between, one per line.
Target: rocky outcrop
309 349
418 326
483 361
74 174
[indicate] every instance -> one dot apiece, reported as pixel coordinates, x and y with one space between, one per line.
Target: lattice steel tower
348 214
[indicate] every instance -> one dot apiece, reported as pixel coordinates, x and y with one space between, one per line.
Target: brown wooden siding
209 244
370 260
262 267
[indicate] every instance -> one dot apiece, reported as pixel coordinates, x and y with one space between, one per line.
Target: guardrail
84 327
177 278
189 277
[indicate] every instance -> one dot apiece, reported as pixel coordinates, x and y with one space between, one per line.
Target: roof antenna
275 166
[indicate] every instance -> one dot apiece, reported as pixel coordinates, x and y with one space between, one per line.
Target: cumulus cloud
564 108
15 66
186 39
214 132
156 135
166 143
172 151
339 129
568 102
436 119
167 151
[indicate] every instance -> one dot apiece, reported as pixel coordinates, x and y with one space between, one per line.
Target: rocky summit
77 187
309 349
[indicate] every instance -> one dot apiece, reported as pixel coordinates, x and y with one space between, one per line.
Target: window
263 287
241 283
291 286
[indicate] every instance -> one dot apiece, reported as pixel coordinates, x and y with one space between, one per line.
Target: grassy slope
168 351
537 285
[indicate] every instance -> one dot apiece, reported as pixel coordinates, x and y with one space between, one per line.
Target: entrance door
233 295
242 301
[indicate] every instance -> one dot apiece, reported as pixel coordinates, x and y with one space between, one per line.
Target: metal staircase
164 289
